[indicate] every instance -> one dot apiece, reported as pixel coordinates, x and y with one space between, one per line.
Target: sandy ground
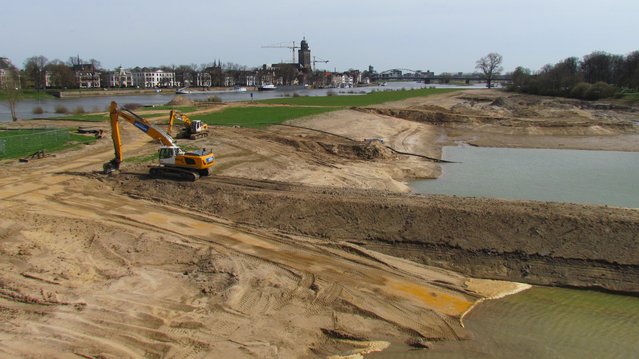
284 252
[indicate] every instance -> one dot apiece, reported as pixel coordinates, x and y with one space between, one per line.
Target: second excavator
174 162
193 129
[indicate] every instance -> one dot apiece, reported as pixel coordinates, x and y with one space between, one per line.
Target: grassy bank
30 94
261 116
21 143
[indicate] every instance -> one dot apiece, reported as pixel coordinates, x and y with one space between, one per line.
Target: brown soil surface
304 243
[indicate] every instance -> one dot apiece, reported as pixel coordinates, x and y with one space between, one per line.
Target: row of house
89 77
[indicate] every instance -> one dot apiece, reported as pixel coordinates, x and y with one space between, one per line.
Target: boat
267 87
183 91
239 89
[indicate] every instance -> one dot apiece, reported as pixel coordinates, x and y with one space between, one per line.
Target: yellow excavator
174 162
193 129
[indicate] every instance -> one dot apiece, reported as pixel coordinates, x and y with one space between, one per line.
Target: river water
541 322
101 103
576 176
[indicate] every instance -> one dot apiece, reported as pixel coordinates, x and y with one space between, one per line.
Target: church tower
304 56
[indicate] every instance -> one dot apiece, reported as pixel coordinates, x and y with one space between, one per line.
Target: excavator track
195 136
174 173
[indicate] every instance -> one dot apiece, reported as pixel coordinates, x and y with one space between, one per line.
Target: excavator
174 162
193 129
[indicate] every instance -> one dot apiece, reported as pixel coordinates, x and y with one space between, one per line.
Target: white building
150 79
342 80
87 76
118 78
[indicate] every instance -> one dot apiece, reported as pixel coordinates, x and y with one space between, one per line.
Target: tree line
595 76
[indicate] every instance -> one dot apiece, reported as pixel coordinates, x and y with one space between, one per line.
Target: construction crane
320 60
285 45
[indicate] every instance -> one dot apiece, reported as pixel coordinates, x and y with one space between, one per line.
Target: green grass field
30 94
21 143
255 116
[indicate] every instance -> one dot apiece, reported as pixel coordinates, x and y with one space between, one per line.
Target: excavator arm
140 123
172 117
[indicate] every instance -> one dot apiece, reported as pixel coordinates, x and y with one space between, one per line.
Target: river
576 176
100 103
541 322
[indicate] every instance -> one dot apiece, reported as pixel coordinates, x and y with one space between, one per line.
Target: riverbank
129 92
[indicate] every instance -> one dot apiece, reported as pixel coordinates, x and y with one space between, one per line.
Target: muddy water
543 323
595 177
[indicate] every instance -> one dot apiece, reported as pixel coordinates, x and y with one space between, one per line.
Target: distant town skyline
436 35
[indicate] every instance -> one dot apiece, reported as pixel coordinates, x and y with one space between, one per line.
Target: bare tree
490 65
75 61
12 89
96 64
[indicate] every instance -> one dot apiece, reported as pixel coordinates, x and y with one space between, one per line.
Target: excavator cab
168 154
196 126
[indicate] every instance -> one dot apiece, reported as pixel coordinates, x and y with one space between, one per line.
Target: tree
34 68
598 66
521 79
12 89
75 61
559 79
630 71
96 64
61 75
490 65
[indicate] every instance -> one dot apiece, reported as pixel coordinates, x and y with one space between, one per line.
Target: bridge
430 77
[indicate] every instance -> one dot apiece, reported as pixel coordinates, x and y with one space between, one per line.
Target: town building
304 57
118 78
87 76
148 78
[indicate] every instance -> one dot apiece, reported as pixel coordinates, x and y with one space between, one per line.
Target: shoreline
495 295
128 92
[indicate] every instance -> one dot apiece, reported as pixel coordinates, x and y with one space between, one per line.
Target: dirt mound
516 118
533 242
354 150
181 101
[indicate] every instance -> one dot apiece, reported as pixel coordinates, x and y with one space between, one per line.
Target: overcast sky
436 35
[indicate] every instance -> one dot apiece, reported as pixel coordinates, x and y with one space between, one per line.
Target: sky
436 35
